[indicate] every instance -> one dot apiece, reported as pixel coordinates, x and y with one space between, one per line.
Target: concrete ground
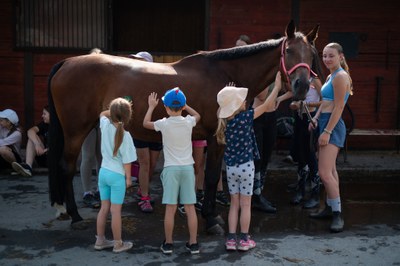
370 186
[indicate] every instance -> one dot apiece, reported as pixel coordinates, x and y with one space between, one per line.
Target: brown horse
81 87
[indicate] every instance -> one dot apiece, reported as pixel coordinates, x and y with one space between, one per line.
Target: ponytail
120 113
119 136
220 133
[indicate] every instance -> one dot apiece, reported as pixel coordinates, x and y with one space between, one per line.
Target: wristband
327 131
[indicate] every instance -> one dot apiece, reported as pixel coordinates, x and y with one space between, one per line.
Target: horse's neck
255 72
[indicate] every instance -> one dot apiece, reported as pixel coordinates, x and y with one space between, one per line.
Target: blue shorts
178 182
112 186
338 135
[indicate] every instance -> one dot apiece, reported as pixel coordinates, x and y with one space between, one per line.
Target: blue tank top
327 88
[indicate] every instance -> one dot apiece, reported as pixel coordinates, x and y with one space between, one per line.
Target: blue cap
174 98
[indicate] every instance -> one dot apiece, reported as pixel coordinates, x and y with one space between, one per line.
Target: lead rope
304 108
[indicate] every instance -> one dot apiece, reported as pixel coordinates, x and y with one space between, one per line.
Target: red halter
286 72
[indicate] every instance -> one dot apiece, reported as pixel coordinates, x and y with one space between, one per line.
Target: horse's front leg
212 174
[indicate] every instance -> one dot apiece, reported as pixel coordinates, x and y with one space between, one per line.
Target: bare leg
102 218
153 162
7 154
199 159
169 219
116 221
192 223
144 170
233 213
327 170
245 213
30 153
220 186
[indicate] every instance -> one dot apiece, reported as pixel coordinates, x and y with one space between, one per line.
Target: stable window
60 24
175 26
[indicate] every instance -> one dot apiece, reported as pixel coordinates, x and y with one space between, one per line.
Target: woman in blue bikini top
335 93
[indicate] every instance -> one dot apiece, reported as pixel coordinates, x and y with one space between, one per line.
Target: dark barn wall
370 32
375 30
372 26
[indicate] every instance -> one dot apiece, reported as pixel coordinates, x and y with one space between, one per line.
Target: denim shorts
338 135
178 182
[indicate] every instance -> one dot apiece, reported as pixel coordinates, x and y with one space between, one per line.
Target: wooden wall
378 29
23 76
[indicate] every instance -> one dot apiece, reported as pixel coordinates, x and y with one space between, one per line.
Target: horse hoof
216 230
79 225
62 216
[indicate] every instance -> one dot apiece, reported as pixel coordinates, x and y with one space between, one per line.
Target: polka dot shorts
241 178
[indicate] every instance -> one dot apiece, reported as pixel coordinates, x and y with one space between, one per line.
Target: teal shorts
112 186
178 182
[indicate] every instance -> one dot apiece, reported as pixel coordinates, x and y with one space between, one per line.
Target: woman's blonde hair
343 62
120 113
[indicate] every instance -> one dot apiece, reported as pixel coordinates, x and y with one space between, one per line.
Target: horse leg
212 174
71 155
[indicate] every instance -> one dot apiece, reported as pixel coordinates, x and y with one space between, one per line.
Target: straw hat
230 99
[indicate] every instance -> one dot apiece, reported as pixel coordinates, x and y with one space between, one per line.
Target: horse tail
56 148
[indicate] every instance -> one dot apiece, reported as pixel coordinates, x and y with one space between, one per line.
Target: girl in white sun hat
235 130
10 139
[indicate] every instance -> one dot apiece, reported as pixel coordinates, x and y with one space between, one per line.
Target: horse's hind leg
213 169
72 209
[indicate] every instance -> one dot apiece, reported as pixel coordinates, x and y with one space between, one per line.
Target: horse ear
290 29
313 34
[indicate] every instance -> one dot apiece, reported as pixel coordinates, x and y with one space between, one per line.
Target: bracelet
327 131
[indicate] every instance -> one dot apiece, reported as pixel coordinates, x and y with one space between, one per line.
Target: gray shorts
241 178
338 135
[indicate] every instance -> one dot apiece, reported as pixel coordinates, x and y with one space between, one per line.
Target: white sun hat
230 99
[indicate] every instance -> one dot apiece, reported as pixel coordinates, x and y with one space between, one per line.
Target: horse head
297 56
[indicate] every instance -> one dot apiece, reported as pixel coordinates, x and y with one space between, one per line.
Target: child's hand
231 84
153 100
278 80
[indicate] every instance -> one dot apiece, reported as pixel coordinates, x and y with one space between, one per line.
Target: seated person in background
10 139
36 147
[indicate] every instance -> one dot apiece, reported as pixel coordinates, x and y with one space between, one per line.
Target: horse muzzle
300 86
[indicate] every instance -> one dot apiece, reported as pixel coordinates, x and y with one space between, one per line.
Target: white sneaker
103 244
120 246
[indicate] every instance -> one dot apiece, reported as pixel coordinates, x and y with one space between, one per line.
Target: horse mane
240 51
316 64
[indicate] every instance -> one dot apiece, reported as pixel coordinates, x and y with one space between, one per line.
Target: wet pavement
370 191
